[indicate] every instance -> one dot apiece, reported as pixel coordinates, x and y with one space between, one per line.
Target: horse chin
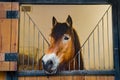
51 72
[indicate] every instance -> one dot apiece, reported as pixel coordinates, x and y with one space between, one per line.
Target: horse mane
76 41
77 46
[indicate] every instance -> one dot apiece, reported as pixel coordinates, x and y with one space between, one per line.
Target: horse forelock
59 30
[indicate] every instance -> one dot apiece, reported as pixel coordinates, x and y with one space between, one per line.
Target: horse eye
66 38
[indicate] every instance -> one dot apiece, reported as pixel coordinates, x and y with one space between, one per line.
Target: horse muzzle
50 63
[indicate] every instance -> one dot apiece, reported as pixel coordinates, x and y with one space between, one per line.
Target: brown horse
64 44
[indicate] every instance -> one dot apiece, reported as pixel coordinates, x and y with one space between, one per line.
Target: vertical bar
79 59
103 42
94 48
33 45
89 52
42 46
98 48
69 65
38 48
116 29
108 40
24 38
29 42
84 55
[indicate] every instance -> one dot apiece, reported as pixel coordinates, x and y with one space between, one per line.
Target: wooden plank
30 78
7 6
87 77
13 66
15 6
101 77
54 77
93 78
4 66
110 78
43 78
2 75
5 35
21 78
78 77
14 36
2 57
8 66
2 14
9 35
65 77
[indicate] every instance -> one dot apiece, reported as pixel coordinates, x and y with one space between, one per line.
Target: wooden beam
8 66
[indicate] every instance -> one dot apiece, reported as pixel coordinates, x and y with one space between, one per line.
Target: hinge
11 56
12 14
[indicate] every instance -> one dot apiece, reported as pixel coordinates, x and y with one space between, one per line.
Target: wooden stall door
8 37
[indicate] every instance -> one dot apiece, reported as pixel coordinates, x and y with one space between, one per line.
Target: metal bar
38 49
89 53
38 29
98 48
94 48
74 63
62 2
33 44
69 65
43 46
95 27
24 38
28 41
103 42
84 55
65 73
108 40
79 60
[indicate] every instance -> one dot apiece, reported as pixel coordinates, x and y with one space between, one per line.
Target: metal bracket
11 56
12 14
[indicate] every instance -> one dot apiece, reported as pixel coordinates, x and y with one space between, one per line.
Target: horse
64 46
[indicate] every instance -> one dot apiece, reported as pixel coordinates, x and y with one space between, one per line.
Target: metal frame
67 73
115 10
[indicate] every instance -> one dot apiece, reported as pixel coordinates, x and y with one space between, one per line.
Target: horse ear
54 21
69 21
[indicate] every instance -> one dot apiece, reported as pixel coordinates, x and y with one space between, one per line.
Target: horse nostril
50 62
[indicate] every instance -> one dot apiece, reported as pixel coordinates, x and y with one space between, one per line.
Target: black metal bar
65 2
68 73
11 56
12 14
